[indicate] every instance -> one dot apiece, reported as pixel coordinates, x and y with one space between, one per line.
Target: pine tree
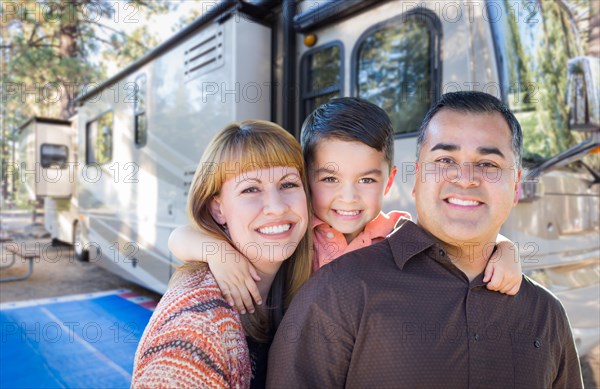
50 52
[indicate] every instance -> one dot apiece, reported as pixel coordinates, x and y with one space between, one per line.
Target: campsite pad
81 341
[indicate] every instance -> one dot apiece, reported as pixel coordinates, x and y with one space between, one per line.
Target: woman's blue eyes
285 185
288 185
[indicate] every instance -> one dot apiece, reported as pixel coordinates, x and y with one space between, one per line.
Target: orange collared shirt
330 244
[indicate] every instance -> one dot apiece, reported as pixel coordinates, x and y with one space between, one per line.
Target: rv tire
81 254
57 243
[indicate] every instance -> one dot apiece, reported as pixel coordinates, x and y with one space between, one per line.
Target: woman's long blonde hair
239 148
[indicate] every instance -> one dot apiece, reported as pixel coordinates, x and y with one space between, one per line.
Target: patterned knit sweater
194 339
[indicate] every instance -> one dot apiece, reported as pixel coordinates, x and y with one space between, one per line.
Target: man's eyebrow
481 150
445 147
490 150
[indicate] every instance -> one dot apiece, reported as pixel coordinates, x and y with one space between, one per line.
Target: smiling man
413 310
468 176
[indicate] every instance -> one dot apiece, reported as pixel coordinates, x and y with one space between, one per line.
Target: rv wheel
81 254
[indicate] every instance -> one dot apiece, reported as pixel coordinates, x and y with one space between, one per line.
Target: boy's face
348 181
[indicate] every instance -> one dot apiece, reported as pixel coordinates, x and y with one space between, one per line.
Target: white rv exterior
138 159
141 133
45 156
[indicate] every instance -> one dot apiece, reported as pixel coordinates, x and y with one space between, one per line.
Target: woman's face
265 211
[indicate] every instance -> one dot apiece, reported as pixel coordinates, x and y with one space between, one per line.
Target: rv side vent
204 53
188 176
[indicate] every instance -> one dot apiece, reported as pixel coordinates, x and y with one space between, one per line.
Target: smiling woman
249 189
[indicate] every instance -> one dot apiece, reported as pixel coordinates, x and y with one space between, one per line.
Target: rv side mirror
583 90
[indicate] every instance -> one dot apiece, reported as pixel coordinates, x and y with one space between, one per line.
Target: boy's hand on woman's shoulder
237 281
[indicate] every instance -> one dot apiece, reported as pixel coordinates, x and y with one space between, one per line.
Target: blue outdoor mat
83 341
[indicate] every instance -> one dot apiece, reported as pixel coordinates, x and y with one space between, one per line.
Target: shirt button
330 235
537 344
476 337
442 253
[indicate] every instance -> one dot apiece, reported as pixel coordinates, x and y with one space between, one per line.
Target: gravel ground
57 272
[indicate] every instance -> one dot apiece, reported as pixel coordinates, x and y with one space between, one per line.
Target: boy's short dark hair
474 102
348 119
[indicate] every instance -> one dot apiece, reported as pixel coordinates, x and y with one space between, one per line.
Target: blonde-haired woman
250 190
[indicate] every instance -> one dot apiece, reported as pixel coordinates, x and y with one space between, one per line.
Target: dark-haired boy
348 146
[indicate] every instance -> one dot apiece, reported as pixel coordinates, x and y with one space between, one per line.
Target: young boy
348 146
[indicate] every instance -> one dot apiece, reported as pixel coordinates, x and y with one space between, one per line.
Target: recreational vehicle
45 151
140 133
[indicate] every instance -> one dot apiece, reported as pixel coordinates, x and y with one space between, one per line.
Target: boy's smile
348 181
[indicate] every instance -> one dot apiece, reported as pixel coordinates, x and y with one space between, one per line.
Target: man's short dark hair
348 119
474 102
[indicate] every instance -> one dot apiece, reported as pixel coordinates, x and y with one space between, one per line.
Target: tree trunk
67 49
594 45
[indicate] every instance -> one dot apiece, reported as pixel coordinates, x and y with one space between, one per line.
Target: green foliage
394 72
536 53
54 42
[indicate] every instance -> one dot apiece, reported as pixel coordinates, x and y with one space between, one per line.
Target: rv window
141 130
395 69
322 75
532 56
99 140
53 155
139 111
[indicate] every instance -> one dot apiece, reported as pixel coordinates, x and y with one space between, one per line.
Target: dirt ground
56 273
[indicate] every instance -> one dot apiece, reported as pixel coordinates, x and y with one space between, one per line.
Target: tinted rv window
395 69
100 139
534 41
54 155
321 76
139 111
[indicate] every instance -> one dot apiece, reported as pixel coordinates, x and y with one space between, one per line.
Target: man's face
467 179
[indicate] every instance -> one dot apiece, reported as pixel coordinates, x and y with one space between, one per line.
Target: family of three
439 302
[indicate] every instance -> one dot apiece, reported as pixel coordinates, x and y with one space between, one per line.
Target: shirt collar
381 226
408 240
316 222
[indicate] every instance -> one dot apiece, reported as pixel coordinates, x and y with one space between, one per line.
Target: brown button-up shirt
399 314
